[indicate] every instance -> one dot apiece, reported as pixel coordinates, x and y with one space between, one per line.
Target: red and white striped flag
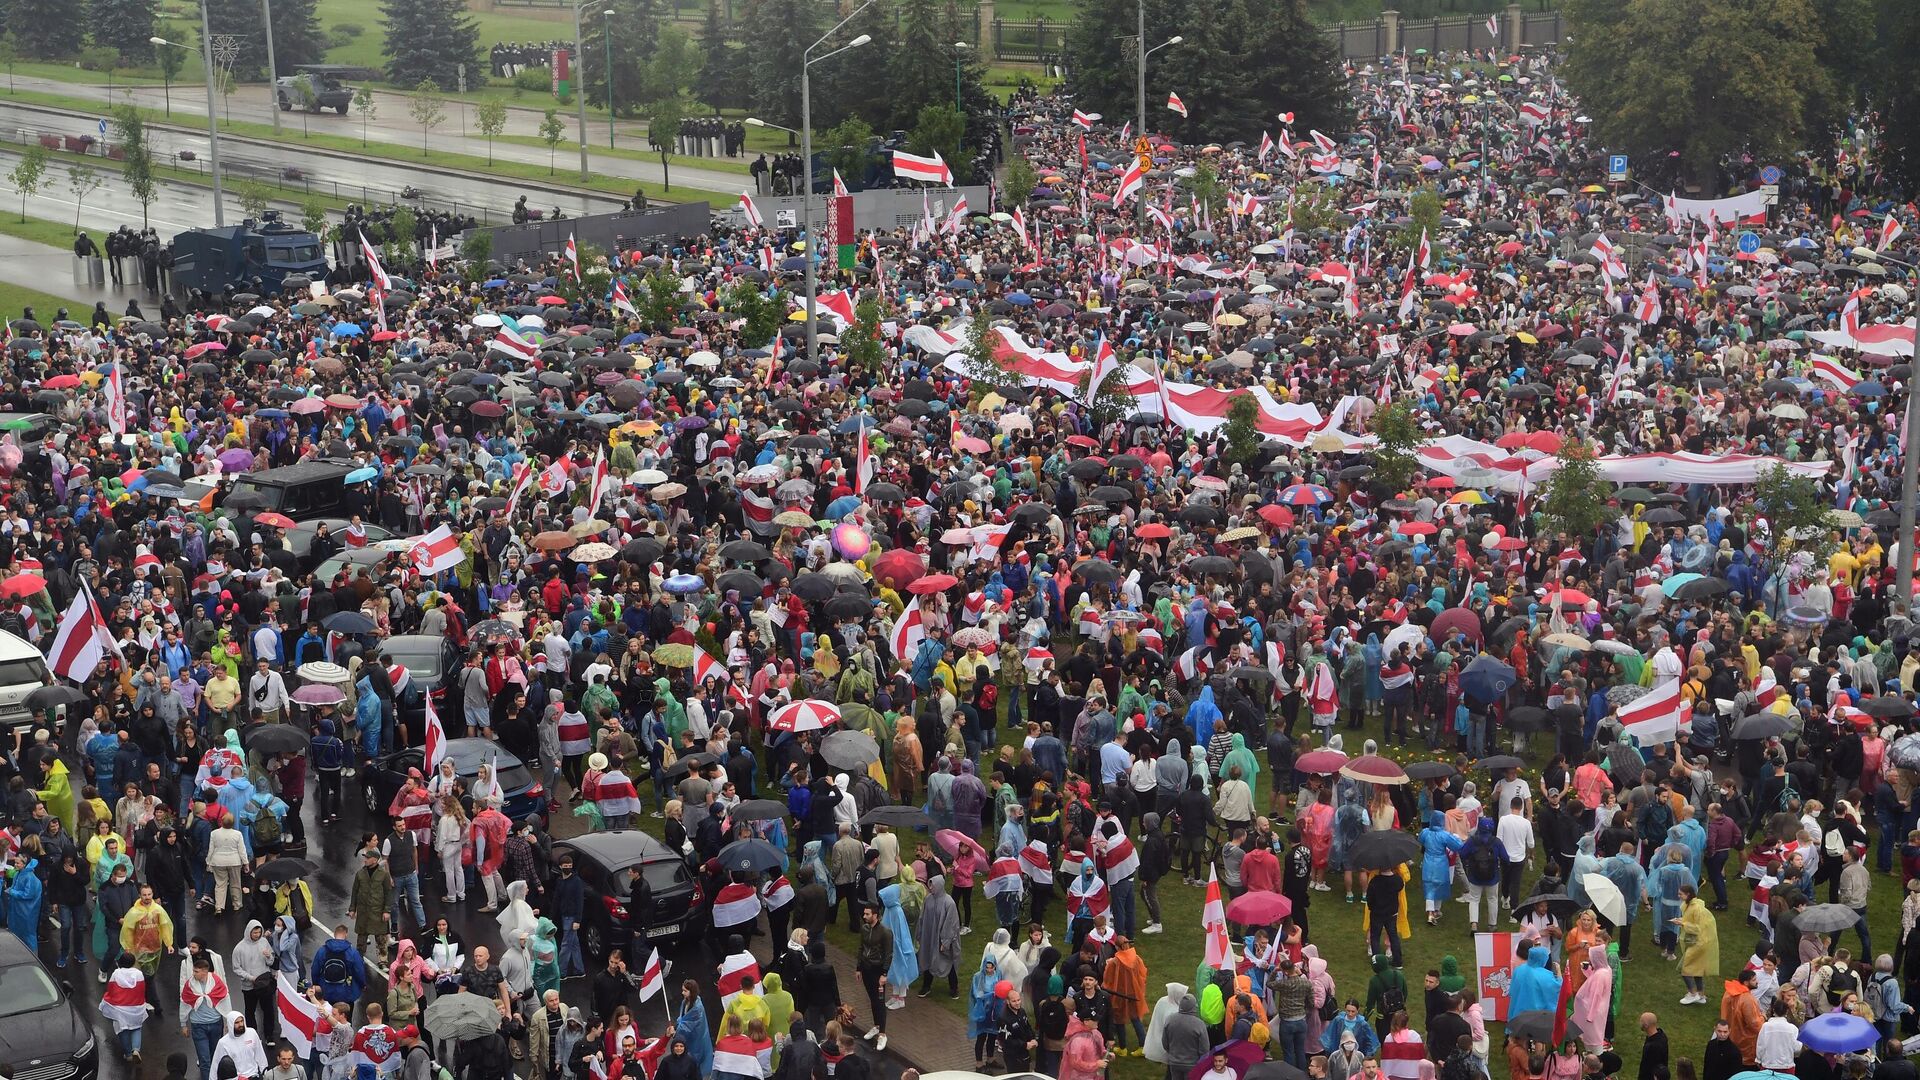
1174 103
1826 367
601 483
909 630
653 977
1266 146
705 667
1656 717
839 185
1036 863
1119 861
1131 181
957 216
1190 665
1493 27
1213 924
1005 877
509 341
862 463
573 257
1020 227
436 737
1648 309
1402 1054
739 972
32 621
621 300
300 1022
116 400
436 552
931 170
374 270
1890 230
1105 363
1126 132
735 1055
754 220
522 479
83 639
1766 689
1084 120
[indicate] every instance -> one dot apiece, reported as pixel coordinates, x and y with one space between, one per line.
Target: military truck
251 256
328 93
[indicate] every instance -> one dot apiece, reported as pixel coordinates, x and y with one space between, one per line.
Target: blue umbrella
1838 1033
494 283
1019 299
1868 388
962 285
681 584
347 329
361 476
795 263
271 414
633 339
842 506
850 425
1672 584
1487 679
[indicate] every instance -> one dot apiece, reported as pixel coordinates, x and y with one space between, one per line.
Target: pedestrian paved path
51 270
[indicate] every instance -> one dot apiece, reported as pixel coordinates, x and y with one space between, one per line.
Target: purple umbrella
236 460
1241 1056
692 423
319 694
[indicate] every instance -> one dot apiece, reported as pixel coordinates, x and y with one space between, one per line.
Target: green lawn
1649 984
15 298
39 230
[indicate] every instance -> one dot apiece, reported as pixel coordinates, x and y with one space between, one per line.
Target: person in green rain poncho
672 713
1451 981
58 795
1238 754
779 1002
546 957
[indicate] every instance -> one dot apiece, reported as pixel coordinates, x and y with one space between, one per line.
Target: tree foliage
782 30
1242 431
1241 61
1314 206
1397 428
29 174
1017 185
848 147
659 302
634 32
297 38
720 84
982 368
921 66
1574 502
1797 514
1205 188
52 29
125 26
130 135
552 130
1424 212
428 107
367 106
1708 78
491 118
427 40
861 344
760 313
942 129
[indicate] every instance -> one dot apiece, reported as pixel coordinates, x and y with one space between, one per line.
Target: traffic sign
1747 243
103 125
1770 175
1616 168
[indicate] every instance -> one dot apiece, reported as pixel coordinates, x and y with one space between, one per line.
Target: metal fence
1028 42
1365 41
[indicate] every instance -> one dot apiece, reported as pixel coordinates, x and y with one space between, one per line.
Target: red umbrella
1082 440
1241 1055
931 584
21 585
1461 619
1320 761
898 568
1417 528
1573 597
278 521
1259 908
551 301
385 335
62 382
1153 530
1277 516
1374 769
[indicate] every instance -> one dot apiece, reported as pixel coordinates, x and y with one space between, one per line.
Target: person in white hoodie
226 854
242 1047
252 965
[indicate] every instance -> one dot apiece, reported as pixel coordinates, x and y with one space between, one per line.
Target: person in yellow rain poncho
59 796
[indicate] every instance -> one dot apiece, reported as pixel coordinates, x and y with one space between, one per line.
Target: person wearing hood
252 966
779 1004
1436 871
1349 1021
1742 1015
1667 888
904 967
1699 946
1627 876
1534 985
242 1047
984 1009
1594 1002
1084 1055
939 939
545 949
23 896
681 1061
1482 858
691 1029
1386 991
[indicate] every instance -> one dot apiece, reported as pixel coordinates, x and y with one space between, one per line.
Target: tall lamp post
213 118
959 53
1140 87
807 60
580 98
606 47
273 72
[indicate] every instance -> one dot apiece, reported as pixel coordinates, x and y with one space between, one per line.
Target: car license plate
663 931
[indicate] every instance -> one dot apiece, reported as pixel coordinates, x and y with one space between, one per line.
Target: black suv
603 860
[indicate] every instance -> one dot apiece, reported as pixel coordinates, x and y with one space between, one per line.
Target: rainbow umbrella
851 541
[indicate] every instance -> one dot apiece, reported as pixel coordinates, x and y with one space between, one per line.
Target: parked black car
526 798
42 1034
603 860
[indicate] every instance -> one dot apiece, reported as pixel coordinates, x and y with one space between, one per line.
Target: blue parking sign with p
1616 167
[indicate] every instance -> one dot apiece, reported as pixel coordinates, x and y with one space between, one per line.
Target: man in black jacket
1156 862
1653 1053
1195 813
613 987
1558 831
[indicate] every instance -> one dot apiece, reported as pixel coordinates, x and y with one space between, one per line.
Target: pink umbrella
1241 1055
307 405
1259 908
1320 761
319 694
1463 329
851 541
953 842
204 347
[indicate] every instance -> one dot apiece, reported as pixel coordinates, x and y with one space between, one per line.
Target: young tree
551 131
1574 502
940 128
847 146
29 174
760 313
861 344
428 109
82 181
475 250
402 232
1016 187
1205 187
1424 217
1242 431
255 198
664 121
1314 206
981 363
428 40
492 118
367 107
659 307
1398 430
130 133
313 216
1798 515
170 62
304 98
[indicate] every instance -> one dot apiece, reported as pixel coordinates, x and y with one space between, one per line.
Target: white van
22 671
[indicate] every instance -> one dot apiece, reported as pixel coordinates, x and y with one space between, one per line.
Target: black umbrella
1096 570
885 492
745 582
813 587
759 810
1430 770
1526 718
1273 1070
745 551
897 817
52 697
1887 707
687 764
282 871
1704 588
1536 1025
1498 762
849 606
750 855
1217 565
643 551
277 739
349 622
1559 905
1761 725
1382 849
850 750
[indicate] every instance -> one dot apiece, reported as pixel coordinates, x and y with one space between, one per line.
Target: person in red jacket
1260 869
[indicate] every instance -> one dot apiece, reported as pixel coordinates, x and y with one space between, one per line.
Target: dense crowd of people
972 651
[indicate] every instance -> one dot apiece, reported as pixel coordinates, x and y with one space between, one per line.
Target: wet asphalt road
334 850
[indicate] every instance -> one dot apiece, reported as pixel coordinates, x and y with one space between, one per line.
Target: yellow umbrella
1591 189
1527 338
798 316
1468 497
1230 319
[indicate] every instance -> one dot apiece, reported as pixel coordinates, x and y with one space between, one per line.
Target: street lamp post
807 60
606 47
580 97
213 118
959 50
273 73
1140 87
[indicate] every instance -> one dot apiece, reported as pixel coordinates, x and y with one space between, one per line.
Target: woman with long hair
450 843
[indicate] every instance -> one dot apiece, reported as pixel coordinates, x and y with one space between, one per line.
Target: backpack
299 907
1482 862
1392 1000
989 697
334 970
1879 998
266 828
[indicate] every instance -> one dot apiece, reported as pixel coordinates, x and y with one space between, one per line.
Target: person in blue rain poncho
1349 1019
1669 876
1534 985
1584 862
1202 715
692 1027
24 896
1436 873
906 958
1627 876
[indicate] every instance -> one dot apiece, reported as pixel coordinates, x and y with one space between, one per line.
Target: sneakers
880 1044
60 962
965 930
925 992
1152 928
871 1032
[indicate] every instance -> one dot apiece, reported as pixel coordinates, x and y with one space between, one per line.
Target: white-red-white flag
1656 717
839 185
374 269
909 630
933 170
1131 181
1105 363
1266 146
573 257
116 400
1020 227
838 306
436 738
601 483
754 220
862 463
436 552
1890 230
83 639
1084 120
510 341
300 1022
1213 924
1174 103
622 301
653 977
